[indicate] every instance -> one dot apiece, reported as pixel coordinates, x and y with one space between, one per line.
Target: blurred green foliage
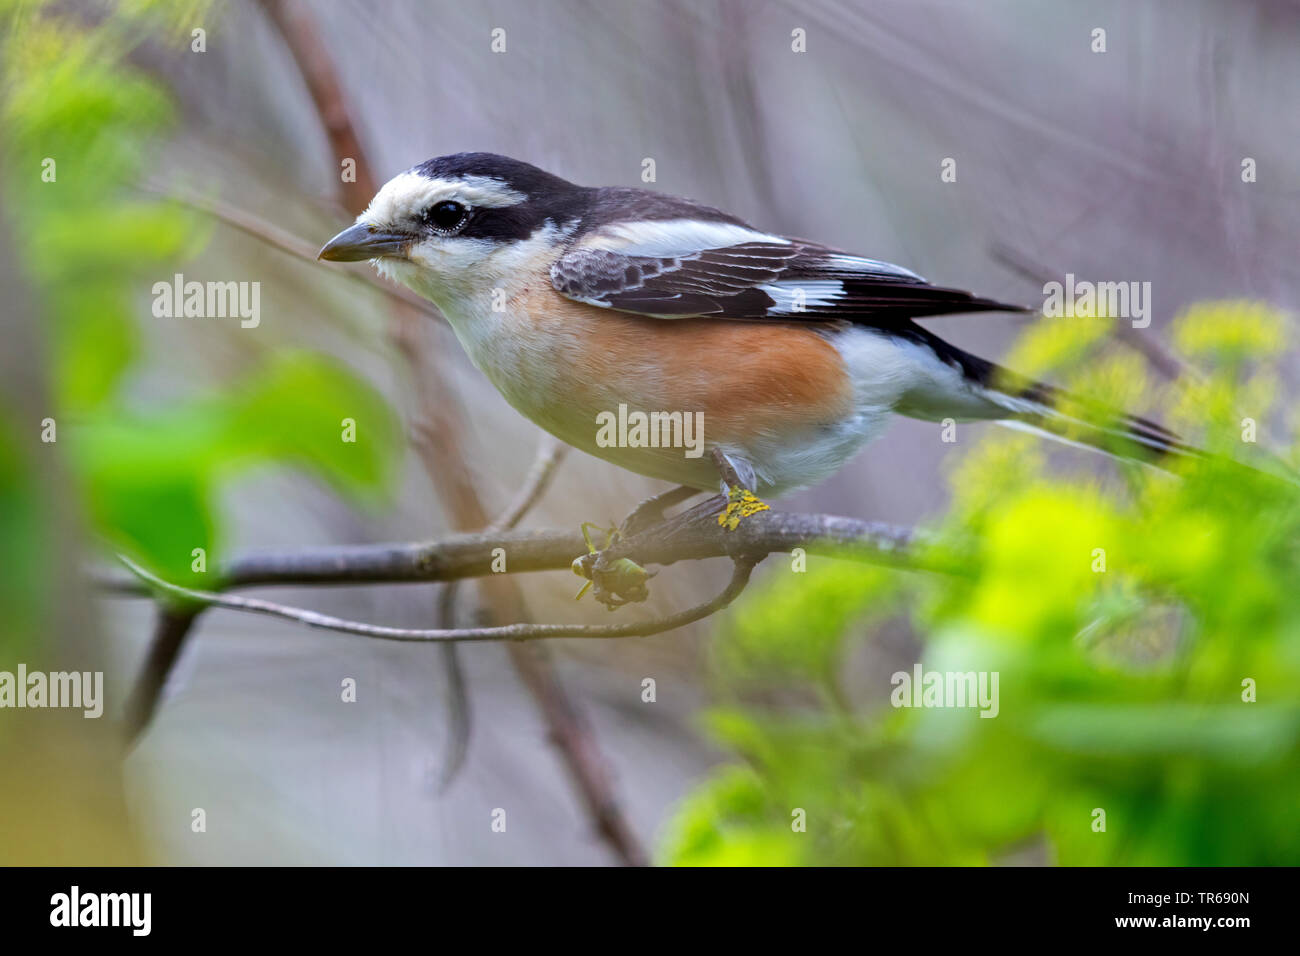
92 249
24 546
1126 617
1120 689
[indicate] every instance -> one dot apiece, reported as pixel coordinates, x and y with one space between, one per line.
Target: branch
691 536
460 717
742 568
549 455
442 451
286 242
172 623
298 29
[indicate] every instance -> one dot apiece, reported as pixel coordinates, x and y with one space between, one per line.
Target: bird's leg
623 581
651 511
741 501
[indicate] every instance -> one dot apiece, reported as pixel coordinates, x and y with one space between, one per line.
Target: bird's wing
683 268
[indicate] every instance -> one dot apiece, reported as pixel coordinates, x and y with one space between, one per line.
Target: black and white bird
574 301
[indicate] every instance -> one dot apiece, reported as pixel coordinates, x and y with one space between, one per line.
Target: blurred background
825 119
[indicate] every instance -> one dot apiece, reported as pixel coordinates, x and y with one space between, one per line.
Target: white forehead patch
409 194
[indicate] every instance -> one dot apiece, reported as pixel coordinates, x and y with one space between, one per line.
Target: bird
580 302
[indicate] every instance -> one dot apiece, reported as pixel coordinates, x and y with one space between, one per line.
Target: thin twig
171 625
458 706
460 715
286 242
443 452
297 26
460 718
742 567
549 455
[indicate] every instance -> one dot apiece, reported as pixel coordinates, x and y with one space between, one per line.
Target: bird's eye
446 216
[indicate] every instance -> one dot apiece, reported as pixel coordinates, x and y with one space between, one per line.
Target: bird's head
459 224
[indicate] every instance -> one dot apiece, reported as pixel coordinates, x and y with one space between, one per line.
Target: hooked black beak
364 242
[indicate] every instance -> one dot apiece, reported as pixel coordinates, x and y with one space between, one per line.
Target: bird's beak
363 241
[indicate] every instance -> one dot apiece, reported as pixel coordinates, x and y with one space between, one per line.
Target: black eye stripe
505 223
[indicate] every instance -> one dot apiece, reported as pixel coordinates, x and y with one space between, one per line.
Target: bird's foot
651 511
613 582
741 503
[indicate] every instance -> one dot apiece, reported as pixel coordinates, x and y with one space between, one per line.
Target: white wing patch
691 268
857 264
790 297
674 238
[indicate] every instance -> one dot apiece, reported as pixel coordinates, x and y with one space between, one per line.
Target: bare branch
171 626
286 242
690 536
442 449
460 716
743 566
549 455
298 28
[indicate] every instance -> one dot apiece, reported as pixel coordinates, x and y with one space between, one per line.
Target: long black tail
1018 401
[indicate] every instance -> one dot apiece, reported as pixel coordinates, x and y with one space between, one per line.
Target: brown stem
442 449
171 626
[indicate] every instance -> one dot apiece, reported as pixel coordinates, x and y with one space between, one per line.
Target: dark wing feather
719 282
764 278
